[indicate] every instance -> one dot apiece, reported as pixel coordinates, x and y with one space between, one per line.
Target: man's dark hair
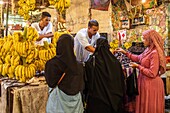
45 14
93 23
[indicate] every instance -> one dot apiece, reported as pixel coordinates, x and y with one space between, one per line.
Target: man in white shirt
44 28
85 40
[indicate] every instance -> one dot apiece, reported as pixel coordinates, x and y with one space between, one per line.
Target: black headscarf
105 76
65 52
65 61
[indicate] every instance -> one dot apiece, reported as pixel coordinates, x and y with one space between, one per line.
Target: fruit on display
60 5
25 6
20 58
25 72
114 44
57 34
47 51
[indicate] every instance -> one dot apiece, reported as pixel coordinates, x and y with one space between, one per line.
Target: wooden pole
7 13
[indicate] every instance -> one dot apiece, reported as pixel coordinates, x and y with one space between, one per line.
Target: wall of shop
77 17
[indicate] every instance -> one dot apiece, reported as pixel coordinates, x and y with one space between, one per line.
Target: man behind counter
85 41
44 28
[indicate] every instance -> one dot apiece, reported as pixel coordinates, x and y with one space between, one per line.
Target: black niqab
65 52
105 76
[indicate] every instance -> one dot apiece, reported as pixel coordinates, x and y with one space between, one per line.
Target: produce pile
25 6
60 5
20 58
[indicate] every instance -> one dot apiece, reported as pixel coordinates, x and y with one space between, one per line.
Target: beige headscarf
157 42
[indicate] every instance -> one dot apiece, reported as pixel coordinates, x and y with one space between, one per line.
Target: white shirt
81 41
47 29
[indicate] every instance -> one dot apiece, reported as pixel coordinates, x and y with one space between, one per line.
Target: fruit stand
32 97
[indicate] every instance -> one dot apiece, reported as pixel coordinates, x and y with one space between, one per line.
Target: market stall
23 98
123 24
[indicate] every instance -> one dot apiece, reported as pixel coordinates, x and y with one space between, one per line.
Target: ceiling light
143 1
1 2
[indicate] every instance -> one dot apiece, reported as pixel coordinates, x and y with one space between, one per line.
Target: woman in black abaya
105 80
66 97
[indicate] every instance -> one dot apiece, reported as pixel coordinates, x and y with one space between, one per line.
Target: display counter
19 98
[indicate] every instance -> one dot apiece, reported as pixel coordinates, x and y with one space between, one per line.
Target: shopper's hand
133 65
120 50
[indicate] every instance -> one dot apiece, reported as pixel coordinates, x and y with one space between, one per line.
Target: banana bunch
1 46
25 6
17 36
57 34
11 71
15 60
23 73
11 60
7 70
32 34
23 47
45 54
33 54
127 45
48 52
6 47
114 44
40 65
4 69
52 2
62 5
1 41
8 58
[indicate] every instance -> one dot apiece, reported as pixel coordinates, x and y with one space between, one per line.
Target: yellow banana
24 53
1 68
26 72
17 72
27 46
13 69
12 59
10 74
22 76
16 60
31 55
50 53
33 70
36 53
7 68
46 55
53 51
20 71
23 70
29 72
40 54
8 59
33 65
1 62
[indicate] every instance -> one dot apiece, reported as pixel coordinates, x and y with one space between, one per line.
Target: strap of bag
61 78
58 82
